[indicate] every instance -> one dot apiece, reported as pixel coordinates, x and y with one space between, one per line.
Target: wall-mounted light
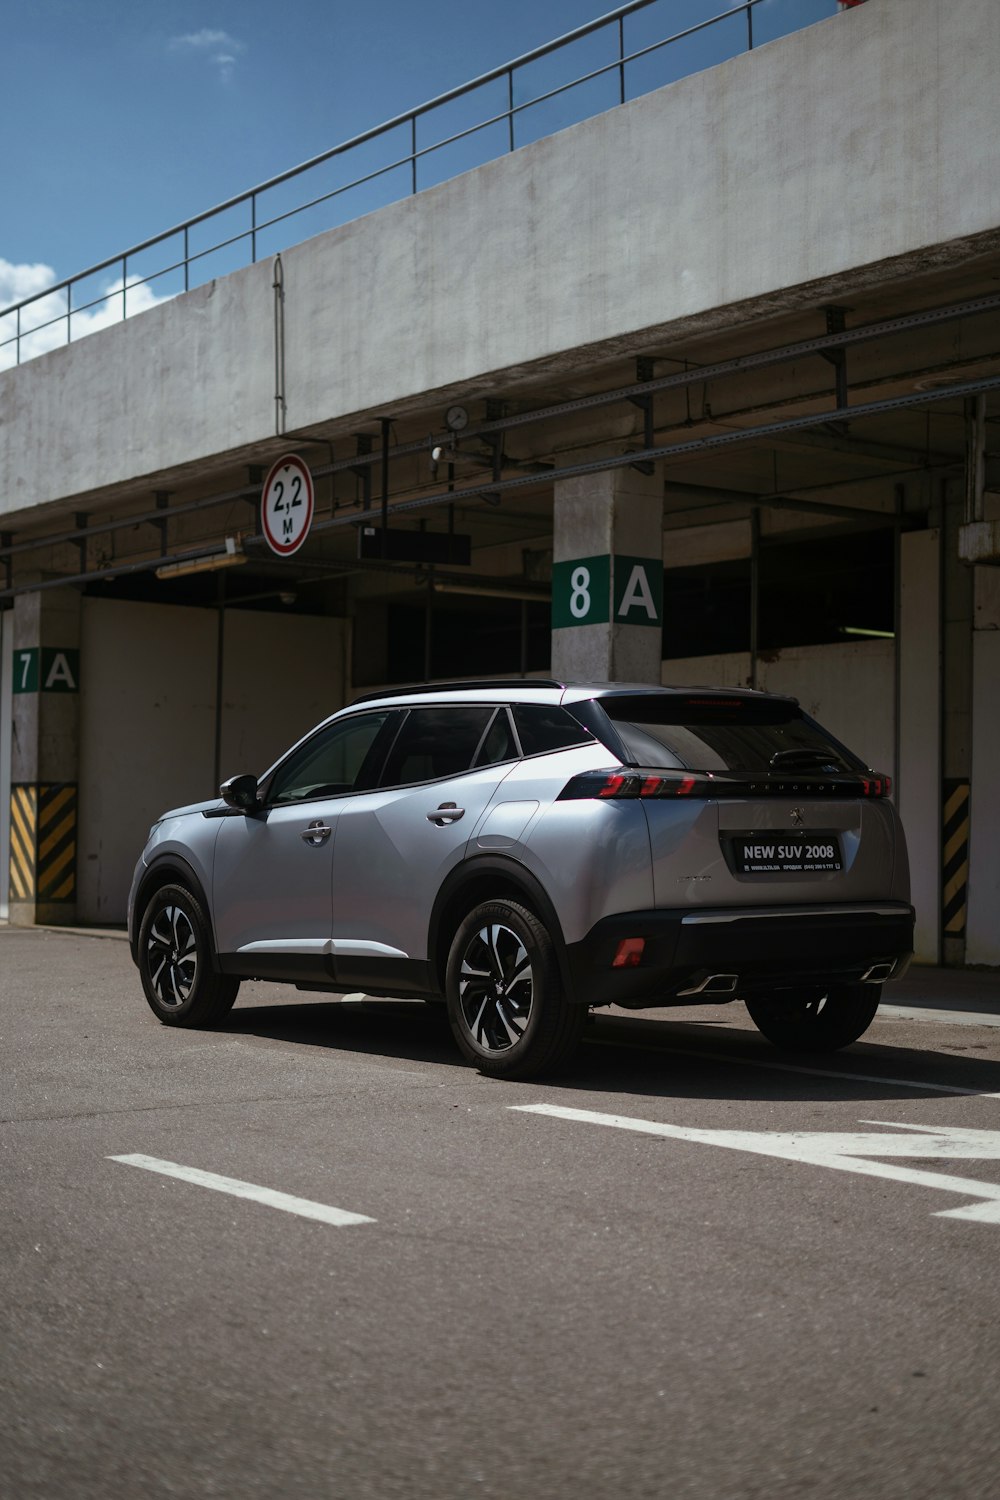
206 562
486 592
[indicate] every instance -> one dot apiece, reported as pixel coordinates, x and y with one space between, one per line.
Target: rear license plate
787 854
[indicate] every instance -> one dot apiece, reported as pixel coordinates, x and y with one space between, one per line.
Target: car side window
434 743
330 763
546 726
499 744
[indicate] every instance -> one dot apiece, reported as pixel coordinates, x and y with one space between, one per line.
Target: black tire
175 962
508 1010
818 1020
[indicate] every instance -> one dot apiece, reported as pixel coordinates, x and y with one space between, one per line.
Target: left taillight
605 785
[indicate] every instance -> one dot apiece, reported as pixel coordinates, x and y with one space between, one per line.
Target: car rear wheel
175 962
820 1020
508 1010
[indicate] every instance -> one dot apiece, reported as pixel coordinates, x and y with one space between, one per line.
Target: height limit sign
286 505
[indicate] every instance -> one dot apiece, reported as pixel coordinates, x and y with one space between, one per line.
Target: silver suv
526 850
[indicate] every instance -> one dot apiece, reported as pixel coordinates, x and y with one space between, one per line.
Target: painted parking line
838 1151
304 1207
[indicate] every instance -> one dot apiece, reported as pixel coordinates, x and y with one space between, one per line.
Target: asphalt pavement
311 1254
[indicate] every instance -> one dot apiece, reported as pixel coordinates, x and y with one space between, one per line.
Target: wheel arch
170 869
491 877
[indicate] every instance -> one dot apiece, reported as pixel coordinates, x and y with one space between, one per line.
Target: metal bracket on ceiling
81 520
162 499
363 471
255 476
644 371
836 323
7 540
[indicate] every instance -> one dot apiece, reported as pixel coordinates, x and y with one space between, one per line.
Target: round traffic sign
286 505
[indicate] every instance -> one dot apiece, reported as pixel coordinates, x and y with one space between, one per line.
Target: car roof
539 690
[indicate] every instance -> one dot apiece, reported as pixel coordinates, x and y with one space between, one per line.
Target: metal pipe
754 592
975 458
220 641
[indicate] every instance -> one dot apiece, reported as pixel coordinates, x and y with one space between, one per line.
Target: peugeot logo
798 816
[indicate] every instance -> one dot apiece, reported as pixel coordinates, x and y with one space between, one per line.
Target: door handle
317 833
448 812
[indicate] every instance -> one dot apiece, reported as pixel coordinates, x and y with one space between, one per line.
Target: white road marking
304 1207
944 1017
766 1061
841 1153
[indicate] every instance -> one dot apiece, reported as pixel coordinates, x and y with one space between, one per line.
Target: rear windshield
702 733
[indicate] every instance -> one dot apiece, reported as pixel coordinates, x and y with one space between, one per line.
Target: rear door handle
317 833
448 812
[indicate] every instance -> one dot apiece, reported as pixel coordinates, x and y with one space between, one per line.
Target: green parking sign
49 670
582 592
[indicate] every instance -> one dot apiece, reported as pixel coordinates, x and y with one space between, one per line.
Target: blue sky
121 118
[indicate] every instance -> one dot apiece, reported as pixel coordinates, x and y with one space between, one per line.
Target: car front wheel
506 1003
820 1020
175 962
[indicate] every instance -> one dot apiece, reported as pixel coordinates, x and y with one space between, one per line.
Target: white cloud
43 321
221 48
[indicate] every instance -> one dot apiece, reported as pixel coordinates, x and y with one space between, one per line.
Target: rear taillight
618 785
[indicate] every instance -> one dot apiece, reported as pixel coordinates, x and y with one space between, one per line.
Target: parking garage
653 398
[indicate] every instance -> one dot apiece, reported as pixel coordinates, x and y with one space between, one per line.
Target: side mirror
240 792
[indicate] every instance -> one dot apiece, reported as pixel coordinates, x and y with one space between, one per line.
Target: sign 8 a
594 590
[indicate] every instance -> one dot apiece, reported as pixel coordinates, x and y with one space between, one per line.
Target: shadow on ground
674 1058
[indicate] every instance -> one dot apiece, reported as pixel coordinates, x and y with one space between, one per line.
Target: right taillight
876 785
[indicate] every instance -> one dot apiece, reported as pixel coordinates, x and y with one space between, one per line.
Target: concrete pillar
957 580
918 790
983 932
607 577
44 756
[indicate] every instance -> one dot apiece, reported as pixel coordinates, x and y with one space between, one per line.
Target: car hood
214 804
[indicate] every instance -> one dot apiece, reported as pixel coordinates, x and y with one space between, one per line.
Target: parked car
527 850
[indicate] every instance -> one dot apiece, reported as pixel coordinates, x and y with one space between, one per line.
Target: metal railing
636 64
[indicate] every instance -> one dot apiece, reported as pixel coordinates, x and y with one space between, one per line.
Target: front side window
331 763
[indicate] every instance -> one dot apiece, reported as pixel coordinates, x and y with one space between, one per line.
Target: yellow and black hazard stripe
955 857
43 842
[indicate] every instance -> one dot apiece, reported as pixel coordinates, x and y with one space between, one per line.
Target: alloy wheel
495 987
172 956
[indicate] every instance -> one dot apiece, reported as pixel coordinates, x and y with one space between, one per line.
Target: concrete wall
848 688
800 164
147 719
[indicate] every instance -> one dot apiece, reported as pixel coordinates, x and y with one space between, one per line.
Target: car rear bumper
705 955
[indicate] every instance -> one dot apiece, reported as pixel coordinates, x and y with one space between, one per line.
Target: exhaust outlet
878 972
714 984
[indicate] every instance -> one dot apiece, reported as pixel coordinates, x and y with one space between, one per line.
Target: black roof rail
474 685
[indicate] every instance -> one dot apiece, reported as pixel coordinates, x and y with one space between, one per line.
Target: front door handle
448 812
317 833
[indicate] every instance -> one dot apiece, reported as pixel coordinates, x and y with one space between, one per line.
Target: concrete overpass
745 325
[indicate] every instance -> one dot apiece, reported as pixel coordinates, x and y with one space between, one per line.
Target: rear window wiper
804 758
